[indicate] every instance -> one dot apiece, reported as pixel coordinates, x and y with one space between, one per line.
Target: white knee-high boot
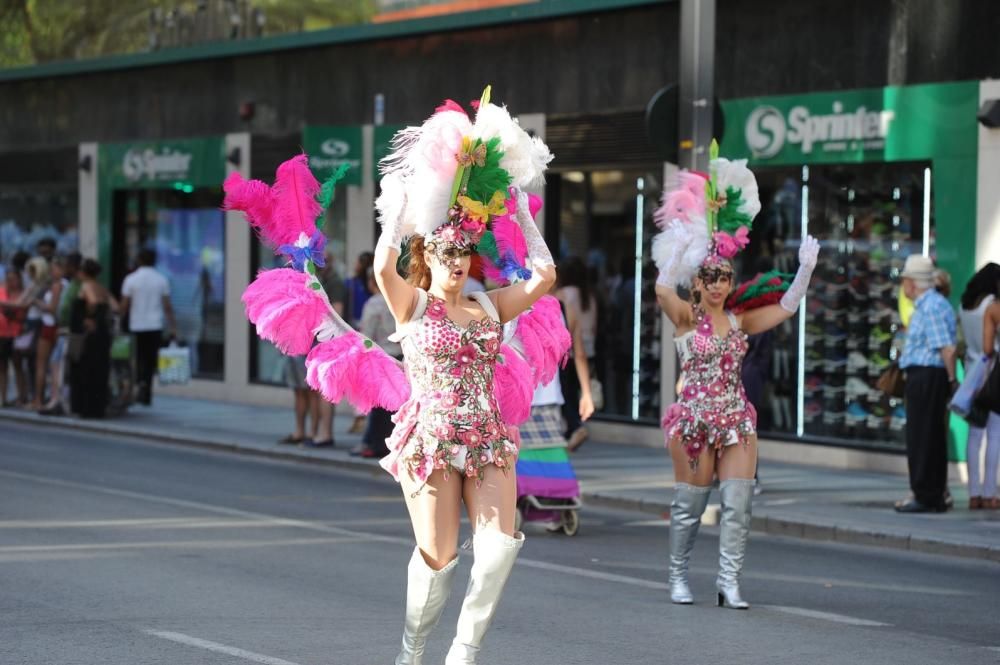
494 553
427 591
737 496
685 518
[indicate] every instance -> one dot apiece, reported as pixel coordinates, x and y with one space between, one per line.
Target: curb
769 524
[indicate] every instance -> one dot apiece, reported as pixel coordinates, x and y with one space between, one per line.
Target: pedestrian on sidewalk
377 325
47 351
90 344
11 319
711 429
928 360
577 297
358 293
146 306
450 444
70 267
983 340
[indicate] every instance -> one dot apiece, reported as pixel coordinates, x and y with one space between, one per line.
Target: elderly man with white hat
928 359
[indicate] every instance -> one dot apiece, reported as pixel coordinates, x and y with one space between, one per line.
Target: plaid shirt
932 328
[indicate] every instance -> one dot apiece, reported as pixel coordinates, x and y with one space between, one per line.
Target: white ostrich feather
735 174
681 243
525 158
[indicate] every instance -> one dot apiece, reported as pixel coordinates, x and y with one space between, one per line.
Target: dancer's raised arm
512 300
762 319
400 295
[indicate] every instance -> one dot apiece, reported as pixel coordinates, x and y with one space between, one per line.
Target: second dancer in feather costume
711 429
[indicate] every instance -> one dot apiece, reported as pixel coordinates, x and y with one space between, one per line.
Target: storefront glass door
816 373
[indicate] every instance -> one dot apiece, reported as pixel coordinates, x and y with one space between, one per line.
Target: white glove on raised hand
539 255
808 253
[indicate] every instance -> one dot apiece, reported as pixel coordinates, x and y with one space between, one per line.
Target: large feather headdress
706 218
450 176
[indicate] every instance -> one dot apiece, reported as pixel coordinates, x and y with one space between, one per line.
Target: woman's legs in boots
435 512
495 545
691 490
736 468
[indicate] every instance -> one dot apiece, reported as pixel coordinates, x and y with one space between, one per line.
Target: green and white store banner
330 146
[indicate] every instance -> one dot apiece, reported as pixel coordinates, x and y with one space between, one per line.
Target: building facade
860 124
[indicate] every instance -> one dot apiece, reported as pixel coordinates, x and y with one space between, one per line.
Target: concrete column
988 193
697 82
238 247
87 201
668 354
361 204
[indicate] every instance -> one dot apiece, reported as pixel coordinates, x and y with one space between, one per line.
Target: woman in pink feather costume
450 445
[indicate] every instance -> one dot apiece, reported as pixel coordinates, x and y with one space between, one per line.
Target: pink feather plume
449 105
284 309
545 338
682 202
295 205
512 386
251 197
346 367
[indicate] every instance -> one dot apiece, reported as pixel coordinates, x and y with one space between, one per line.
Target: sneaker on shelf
898 421
856 414
856 361
879 335
878 417
877 364
813 383
835 362
814 360
857 389
813 409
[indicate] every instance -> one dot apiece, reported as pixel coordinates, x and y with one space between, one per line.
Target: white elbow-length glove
808 252
539 255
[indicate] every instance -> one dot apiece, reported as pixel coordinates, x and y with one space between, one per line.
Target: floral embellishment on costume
436 310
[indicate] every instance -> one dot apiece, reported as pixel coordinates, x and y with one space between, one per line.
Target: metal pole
697 82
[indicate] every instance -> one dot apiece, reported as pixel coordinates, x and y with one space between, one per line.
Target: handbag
988 397
892 381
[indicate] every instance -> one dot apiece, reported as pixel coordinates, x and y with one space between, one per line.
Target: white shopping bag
174 364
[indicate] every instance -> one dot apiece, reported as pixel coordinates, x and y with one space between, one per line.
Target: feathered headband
707 217
450 177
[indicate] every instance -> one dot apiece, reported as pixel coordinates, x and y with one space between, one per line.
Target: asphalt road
119 551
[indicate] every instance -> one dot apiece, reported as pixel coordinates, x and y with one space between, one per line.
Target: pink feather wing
545 339
284 309
346 368
513 386
254 199
295 205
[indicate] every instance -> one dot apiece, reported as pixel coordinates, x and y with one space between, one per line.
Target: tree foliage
39 31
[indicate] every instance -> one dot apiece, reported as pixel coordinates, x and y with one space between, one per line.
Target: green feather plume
328 189
730 218
487 248
486 180
761 284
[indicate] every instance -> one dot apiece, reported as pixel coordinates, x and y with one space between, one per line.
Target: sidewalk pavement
798 500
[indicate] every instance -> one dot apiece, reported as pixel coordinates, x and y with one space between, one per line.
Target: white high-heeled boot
427 591
737 497
495 553
685 518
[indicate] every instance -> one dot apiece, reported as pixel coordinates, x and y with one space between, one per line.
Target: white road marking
825 616
659 522
35 557
593 574
177 544
181 638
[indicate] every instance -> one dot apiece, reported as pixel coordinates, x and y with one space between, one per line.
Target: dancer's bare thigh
435 512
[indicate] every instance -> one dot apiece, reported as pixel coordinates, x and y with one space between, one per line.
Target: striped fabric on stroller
547 488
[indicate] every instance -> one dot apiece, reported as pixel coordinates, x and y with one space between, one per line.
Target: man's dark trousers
927 395
147 357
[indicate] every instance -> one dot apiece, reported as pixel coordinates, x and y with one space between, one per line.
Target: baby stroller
547 489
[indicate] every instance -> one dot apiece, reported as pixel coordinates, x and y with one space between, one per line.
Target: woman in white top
979 299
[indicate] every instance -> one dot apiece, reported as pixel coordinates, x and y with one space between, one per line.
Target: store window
267 364
594 218
186 228
819 371
29 214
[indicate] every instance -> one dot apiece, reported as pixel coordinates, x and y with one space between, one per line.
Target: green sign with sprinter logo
878 124
155 164
329 147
